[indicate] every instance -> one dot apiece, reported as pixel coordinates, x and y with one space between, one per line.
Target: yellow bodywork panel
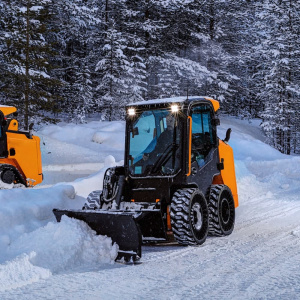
25 155
214 102
228 173
7 110
13 125
23 149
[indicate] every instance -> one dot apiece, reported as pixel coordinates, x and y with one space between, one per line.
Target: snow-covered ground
42 259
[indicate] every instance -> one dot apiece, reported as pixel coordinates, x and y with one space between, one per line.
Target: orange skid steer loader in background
178 179
20 154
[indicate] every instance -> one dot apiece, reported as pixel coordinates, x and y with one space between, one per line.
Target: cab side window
203 138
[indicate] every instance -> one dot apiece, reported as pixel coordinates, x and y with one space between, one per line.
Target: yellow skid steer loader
20 154
178 179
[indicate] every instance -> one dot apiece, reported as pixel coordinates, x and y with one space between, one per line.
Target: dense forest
69 59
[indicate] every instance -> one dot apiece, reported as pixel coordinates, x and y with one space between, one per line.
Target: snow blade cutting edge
121 227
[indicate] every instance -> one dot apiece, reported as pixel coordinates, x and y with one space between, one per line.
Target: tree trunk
27 78
212 19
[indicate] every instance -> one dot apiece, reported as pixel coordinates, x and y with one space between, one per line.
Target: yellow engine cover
228 173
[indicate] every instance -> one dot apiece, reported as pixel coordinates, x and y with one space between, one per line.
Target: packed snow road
40 259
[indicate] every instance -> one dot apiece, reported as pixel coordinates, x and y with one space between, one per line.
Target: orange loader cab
20 154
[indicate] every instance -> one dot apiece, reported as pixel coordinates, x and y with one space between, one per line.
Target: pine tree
74 22
147 24
26 54
121 70
112 67
231 27
2 49
280 49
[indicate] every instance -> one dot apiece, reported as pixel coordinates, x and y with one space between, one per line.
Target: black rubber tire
189 216
221 211
14 175
7 176
92 201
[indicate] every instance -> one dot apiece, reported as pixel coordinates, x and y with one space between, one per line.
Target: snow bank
6 186
109 133
247 141
24 210
109 138
84 186
64 245
19 272
71 151
33 245
54 248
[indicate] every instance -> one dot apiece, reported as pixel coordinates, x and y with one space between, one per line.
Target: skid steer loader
20 155
178 180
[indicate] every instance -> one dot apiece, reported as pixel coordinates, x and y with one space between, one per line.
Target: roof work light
131 111
174 108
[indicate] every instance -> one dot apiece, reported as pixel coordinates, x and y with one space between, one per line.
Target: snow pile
54 248
4 185
65 245
33 246
280 177
19 272
24 210
110 135
71 151
84 186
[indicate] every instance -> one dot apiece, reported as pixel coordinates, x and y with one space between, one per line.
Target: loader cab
166 138
154 142
174 141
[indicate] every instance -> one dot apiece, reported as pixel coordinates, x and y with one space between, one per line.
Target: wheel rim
225 210
196 216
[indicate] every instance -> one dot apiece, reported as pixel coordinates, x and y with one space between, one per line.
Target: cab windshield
154 143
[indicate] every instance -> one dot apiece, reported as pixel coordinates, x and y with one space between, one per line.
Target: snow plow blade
121 227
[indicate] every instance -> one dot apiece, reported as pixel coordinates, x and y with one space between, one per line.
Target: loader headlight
174 108
131 112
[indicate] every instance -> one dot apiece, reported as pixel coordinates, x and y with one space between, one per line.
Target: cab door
204 154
